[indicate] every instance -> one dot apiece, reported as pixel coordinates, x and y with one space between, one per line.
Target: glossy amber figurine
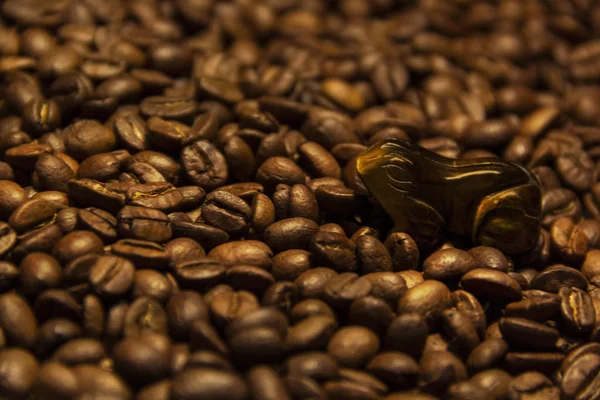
495 201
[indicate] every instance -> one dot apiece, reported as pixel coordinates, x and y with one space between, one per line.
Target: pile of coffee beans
181 217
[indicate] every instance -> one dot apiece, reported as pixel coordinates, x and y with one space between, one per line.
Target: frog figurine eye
494 201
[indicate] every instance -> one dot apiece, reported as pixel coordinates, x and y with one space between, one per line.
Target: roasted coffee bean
96 381
387 285
371 312
312 333
290 233
492 284
144 314
19 372
576 310
312 282
144 223
229 306
528 334
55 381
440 369
265 383
404 251
75 244
90 193
38 272
276 170
446 264
103 224
568 241
226 211
209 384
111 277
204 164
183 309
429 298
151 283
340 290
536 305
557 276
334 250
143 359
17 320
557 203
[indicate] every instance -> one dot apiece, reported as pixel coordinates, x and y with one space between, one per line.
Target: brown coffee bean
144 223
19 372
227 212
312 333
568 241
204 164
290 233
446 264
208 383
576 310
404 251
17 320
144 314
429 298
489 283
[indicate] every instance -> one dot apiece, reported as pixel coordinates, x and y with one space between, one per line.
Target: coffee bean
340 290
86 138
489 283
312 333
151 283
19 372
144 314
229 306
568 242
461 332
470 307
79 351
264 383
536 305
557 203
404 251
319 366
56 303
517 362
102 223
290 233
556 276
488 257
429 298
17 320
226 211
11 196
576 310
140 361
38 272
204 164
440 369
75 244
334 250
144 224
487 354
90 193
55 381
96 381
9 276
204 383
528 334
448 263
276 170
